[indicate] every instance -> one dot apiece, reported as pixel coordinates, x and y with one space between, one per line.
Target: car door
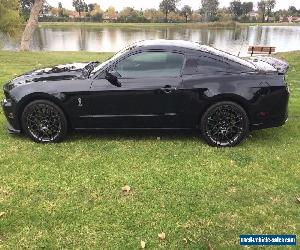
147 95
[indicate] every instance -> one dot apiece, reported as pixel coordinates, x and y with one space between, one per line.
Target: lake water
284 38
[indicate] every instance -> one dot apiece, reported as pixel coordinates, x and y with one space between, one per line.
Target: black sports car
152 84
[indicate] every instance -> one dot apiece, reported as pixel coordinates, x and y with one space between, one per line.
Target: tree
85 7
60 9
150 14
10 21
54 11
175 16
153 15
97 13
186 11
209 9
292 11
129 14
167 6
270 6
25 7
80 6
91 7
262 8
247 7
195 17
266 7
31 24
236 9
126 13
46 8
111 13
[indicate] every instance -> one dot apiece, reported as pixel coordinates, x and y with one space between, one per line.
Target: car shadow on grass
136 134
254 137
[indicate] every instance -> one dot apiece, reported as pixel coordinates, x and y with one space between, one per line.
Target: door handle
168 89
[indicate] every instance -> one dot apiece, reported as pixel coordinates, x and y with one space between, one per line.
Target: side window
204 65
151 64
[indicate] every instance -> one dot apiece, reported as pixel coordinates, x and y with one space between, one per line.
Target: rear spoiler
281 66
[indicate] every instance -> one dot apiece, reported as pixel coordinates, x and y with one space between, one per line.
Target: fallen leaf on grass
298 199
143 244
210 247
162 236
126 188
185 240
2 213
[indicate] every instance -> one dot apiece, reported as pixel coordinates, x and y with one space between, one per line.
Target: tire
224 124
44 122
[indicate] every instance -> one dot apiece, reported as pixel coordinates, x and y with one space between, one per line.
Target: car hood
57 73
270 64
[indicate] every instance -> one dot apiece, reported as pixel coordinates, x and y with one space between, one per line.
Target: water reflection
113 39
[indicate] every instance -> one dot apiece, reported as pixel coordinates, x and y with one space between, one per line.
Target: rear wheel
43 121
224 124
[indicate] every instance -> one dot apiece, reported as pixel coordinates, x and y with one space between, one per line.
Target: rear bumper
271 110
271 123
13 126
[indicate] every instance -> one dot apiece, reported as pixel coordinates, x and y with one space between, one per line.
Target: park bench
261 50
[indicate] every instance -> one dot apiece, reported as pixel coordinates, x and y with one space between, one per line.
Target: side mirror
112 76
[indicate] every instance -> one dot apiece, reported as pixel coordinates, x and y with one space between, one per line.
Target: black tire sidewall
64 125
211 109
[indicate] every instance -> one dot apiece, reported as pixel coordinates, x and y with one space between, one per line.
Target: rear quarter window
204 65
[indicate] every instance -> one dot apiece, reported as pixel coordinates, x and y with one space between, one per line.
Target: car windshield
115 56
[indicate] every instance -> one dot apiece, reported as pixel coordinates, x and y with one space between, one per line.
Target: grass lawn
68 195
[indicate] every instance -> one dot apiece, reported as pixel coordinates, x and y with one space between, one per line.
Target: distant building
270 19
294 19
49 14
253 16
75 14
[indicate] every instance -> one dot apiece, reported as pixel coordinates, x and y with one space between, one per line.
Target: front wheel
43 121
224 124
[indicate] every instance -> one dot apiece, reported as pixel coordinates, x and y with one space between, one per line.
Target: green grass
68 195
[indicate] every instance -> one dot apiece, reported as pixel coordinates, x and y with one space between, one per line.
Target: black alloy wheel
224 124
43 121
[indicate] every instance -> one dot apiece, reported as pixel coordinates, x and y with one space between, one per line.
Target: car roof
171 43
193 46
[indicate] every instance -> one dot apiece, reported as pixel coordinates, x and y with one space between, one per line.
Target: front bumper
13 126
12 130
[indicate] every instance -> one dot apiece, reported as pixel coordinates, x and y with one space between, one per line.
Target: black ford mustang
152 84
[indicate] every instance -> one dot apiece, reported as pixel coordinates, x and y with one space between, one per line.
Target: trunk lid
270 64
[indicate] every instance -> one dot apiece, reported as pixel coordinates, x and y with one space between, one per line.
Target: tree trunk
263 14
31 24
186 19
268 13
166 16
205 16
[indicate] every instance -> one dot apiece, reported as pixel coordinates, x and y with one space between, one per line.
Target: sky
145 4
